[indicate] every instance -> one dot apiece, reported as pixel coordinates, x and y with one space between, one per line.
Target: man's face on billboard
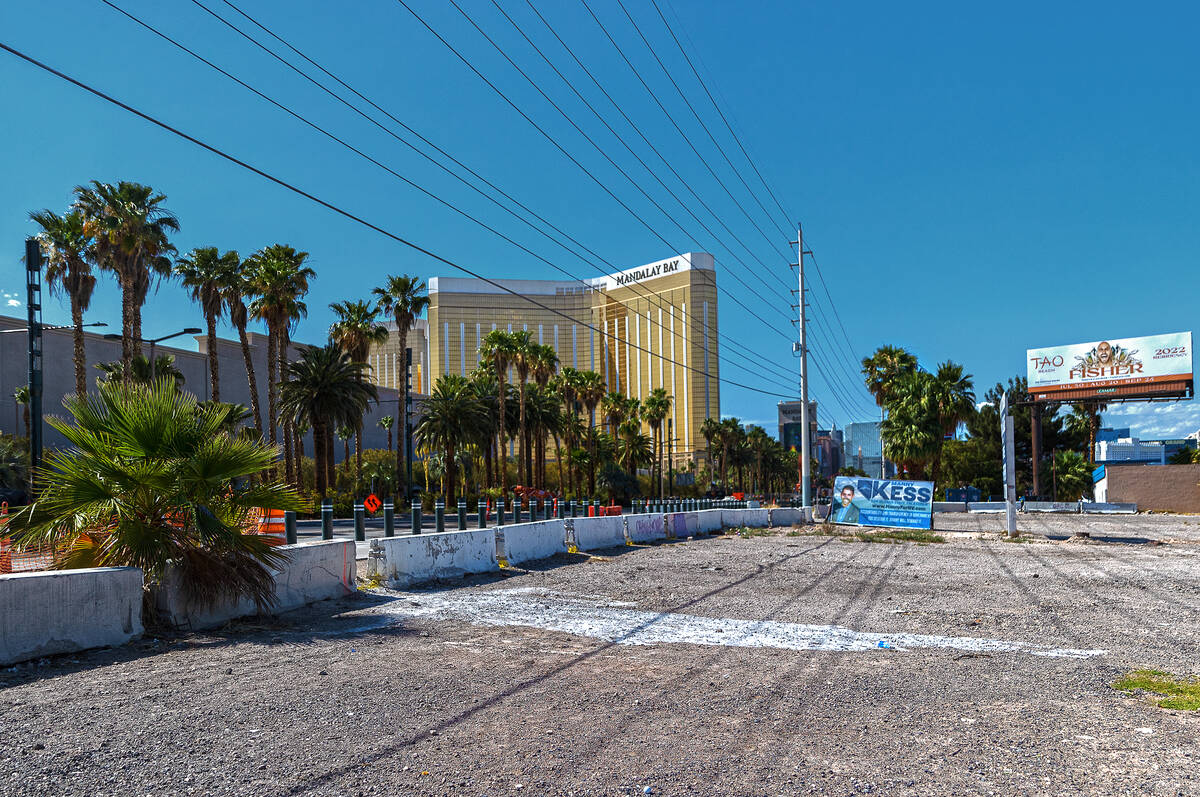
847 495
1104 352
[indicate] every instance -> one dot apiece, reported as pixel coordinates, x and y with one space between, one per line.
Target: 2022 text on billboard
1117 369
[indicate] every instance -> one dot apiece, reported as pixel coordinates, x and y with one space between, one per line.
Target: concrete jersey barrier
986 506
596 533
64 611
1058 507
315 571
1100 508
949 506
646 528
408 560
526 542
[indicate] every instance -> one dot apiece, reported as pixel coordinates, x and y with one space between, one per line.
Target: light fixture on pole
154 342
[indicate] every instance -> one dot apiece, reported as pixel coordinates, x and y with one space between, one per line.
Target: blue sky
974 181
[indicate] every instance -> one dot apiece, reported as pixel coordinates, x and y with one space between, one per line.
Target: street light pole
154 342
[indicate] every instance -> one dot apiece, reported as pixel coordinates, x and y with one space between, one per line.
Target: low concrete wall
594 533
646 528
708 521
64 611
787 516
413 559
949 506
1058 507
1108 508
752 518
986 506
526 542
315 571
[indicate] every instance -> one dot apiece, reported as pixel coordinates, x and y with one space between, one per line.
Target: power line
687 139
378 163
737 139
650 297
630 149
654 52
345 213
573 124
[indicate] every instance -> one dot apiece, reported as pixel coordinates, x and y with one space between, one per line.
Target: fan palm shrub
154 480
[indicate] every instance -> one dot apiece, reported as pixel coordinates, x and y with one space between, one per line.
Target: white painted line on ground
600 619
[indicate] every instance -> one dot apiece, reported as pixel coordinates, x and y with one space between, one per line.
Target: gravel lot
993 677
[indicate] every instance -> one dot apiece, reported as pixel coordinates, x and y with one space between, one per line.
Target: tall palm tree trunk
211 320
319 474
127 333
401 431
522 443
254 408
501 451
272 354
290 463
79 354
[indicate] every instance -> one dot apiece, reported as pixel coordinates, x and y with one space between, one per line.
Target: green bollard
462 514
482 514
289 527
360 522
327 520
416 516
516 510
389 519
439 515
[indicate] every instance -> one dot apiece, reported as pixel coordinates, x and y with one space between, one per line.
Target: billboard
879 502
1147 367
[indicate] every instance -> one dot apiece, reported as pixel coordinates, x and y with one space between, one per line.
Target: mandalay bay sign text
1156 365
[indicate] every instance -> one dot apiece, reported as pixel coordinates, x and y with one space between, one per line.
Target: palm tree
153 480
404 298
205 272
655 409
1084 420
386 423
590 390
710 429
731 437
142 373
523 357
882 370
545 420
566 385
635 447
235 287
613 407
912 431
324 389
129 228
758 442
67 248
498 346
280 281
357 327
449 422
344 434
954 398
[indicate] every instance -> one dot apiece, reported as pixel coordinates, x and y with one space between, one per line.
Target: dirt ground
792 663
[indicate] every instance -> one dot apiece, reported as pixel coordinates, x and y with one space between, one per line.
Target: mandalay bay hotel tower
660 320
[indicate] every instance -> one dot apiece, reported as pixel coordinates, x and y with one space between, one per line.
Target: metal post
389 519
439 515
500 512
571 508
462 514
289 526
33 306
415 513
805 444
516 510
1035 446
360 522
406 429
327 519
482 507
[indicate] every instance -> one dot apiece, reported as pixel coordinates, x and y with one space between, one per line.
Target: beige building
643 328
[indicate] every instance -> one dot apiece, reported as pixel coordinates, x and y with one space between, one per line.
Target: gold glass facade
660 320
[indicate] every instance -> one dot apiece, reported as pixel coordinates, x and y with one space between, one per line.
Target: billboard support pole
805 455
1035 446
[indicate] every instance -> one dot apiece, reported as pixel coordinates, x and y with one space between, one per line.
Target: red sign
372 503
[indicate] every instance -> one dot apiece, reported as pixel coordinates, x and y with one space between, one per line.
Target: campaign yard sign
882 502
